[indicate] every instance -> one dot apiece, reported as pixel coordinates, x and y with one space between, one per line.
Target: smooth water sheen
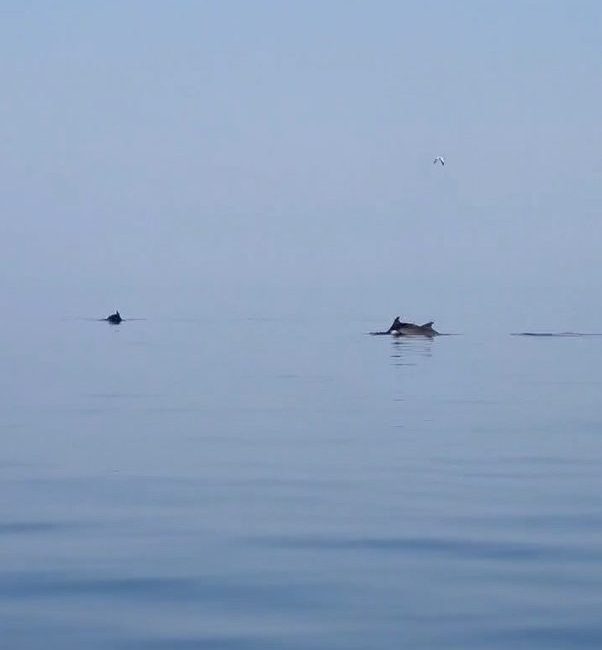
271 484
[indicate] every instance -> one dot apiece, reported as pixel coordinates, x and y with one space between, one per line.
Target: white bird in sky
439 159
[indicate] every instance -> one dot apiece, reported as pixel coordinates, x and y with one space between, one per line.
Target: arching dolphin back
398 328
412 329
417 330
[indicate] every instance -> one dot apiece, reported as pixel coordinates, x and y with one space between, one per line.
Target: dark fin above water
395 325
115 318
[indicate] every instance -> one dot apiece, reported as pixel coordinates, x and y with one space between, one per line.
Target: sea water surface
261 484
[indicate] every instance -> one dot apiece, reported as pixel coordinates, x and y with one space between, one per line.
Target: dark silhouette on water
115 318
556 334
399 328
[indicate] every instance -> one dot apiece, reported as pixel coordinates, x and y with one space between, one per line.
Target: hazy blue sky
260 158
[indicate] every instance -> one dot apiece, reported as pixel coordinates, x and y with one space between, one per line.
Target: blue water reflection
299 489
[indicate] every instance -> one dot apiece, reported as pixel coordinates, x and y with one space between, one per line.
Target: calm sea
269 484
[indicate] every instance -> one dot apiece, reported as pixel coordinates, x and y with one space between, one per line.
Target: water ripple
454 548
259 595
207 643
29 527
551 636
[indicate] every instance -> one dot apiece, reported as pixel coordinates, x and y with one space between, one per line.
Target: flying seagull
439 159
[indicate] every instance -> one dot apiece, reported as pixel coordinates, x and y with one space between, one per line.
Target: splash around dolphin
399 328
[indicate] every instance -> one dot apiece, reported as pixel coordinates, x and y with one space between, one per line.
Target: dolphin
114 319
398 328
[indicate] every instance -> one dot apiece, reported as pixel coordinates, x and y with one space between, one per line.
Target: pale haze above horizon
276 159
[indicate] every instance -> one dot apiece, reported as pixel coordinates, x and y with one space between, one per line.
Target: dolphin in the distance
114 319
398 328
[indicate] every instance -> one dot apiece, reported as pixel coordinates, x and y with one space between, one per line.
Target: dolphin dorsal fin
395 324
429 324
